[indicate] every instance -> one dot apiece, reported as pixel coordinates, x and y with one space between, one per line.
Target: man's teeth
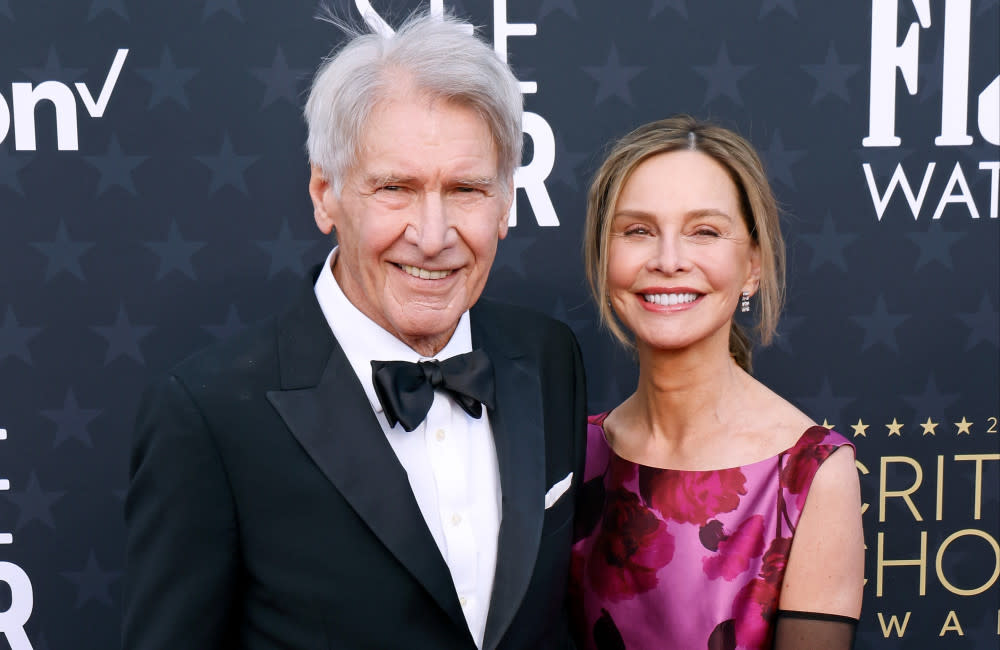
669 298
424 274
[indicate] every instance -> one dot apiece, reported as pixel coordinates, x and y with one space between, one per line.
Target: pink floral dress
668 558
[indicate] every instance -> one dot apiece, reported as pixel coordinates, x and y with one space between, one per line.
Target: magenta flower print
632 545
692 497
802 462
758 599
737 550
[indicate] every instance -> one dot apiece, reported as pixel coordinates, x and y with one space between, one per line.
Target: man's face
418 218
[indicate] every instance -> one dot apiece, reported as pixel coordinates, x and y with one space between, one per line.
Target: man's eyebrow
380 179
478 181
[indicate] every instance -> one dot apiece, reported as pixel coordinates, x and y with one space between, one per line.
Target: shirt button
439 435
456 519
464 601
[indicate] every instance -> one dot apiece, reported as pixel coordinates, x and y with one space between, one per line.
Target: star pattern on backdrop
983 324
767 6
679 7
934 245
92 582
510 254
880 326
123 338
71 421
825 403
63 253
53 70
175 253
613 78
167 81
115 168
982 6
931 402
787 325
10 169
227 167
566 165
91 255
286 252
230 7
828 245
779 160
895 428
97 7
33 503
723 77
567 7
14 338
280 81
227 328
831 76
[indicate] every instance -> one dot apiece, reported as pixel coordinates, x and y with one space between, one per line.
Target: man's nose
430 227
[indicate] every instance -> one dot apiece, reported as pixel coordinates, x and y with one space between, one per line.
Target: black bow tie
406 389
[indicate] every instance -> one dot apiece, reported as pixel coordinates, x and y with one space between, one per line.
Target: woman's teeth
669 298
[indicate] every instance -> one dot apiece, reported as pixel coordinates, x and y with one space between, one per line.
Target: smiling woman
694 528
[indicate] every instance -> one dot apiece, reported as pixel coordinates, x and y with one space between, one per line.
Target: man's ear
505 213
324 200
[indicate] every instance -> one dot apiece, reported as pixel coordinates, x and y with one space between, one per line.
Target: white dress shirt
450 459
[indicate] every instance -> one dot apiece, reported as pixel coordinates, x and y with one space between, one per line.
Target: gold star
895 428
963 426
826 425
860 429
929 426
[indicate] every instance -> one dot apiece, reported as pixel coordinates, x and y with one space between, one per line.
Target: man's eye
391 188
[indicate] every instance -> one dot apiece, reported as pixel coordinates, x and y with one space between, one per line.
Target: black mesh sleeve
813 631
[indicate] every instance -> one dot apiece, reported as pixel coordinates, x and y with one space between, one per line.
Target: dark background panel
183 215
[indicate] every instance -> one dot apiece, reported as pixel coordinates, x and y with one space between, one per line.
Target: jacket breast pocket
560 514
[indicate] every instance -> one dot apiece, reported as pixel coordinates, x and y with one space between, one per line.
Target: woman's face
680 253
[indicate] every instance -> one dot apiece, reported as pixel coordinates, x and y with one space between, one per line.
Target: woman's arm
825 572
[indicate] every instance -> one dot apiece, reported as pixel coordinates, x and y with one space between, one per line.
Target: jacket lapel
326 409
519 437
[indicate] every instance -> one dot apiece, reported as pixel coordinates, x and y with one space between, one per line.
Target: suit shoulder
517 319
248 356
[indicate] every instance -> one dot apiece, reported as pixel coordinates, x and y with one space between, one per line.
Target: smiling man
391 463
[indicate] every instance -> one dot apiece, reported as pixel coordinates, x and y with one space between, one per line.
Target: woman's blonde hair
758 205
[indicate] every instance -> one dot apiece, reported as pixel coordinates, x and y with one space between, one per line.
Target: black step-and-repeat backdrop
153 200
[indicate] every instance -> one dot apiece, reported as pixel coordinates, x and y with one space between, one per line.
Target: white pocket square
557 490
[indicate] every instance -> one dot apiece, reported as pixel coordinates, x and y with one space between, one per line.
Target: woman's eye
706 232
636 231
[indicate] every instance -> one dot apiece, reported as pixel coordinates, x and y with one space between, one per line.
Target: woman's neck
685 393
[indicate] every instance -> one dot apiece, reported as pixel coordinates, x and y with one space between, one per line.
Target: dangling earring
745 302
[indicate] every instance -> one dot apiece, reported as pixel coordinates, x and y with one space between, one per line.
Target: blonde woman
714 513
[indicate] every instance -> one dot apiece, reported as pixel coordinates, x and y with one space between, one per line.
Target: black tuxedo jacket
267 510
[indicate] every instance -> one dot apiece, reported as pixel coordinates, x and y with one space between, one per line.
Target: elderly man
392 463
